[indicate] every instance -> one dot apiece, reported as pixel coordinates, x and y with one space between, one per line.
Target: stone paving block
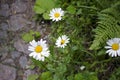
7 73
4 11
18 7
21 46
15 54
17 22
23 61
9 61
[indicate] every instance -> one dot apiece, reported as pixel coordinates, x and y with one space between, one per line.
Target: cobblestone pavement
16 18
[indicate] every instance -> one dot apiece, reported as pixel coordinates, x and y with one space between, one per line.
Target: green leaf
46 76
71 9
39 10
101 52
79 11
27 37
79 76
86 76
45 4
46 16
31 66
56 77
71 77
61 68
93 76
32 77
37 34
50 67
74 48
67 58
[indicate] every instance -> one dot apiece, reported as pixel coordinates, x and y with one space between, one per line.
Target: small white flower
113 47
62 41
56 14
39 50
82 67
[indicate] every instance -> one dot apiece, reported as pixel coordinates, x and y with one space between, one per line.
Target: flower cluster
40 49
113 44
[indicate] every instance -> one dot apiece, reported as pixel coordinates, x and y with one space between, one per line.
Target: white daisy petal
110 53
113 54
110 50
31 54
118 52
42 58
33 43
46 54
109 43
107 47
30 48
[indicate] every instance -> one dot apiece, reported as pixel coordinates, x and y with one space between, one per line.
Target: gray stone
33 24
4 26
26 74
4 10
21 46
3 34
18 7
3 55
9 62
7 73
17 22
26 49
3 50
15 54
23 61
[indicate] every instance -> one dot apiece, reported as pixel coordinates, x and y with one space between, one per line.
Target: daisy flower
113 47
62 41
56 14
39 50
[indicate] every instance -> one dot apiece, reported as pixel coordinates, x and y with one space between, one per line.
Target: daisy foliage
113 47
39 50
56 14
62 41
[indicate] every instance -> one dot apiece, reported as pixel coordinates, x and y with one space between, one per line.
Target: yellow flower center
57 15
62 41
38 49
115 46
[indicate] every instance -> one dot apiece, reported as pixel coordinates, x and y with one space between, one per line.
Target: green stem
100 62
43 66
89 53
88 7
